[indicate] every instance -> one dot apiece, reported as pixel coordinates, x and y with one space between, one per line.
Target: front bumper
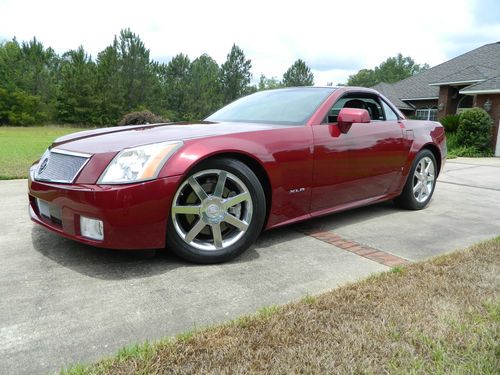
134 216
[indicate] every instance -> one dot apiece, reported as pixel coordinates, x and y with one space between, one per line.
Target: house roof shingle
390 93
471 74
490 85
481 62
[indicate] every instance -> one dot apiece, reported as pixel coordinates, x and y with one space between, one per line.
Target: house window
426 114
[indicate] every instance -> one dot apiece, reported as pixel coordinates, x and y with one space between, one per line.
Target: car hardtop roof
332 88
304 88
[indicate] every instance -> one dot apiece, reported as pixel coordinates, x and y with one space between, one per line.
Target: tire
217 212
419 187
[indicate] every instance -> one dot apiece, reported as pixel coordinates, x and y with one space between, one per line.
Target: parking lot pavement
64 302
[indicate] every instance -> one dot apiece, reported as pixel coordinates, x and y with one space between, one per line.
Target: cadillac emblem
43 165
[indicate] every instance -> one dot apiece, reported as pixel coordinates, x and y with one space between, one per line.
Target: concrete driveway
62 302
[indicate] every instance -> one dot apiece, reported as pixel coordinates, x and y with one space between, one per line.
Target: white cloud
272 33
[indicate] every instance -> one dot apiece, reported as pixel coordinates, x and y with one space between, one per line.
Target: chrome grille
60 166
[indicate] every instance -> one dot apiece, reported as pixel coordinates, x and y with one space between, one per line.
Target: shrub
455 149
141 117
468 152
474 129
450 123
451 141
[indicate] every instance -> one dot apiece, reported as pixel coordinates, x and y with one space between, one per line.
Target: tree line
392 70
39 86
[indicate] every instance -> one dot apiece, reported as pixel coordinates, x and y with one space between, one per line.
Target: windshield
292 106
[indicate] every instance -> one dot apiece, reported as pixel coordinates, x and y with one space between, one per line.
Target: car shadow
330 222
130 264
280 235
343 219
112 264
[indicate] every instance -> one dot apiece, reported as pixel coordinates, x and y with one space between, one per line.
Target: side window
367 102
374 109
390 115
333 113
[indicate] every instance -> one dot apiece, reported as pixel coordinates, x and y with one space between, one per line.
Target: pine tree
204 94
77 85
299 74
235 75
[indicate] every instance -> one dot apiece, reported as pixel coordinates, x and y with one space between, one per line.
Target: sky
335 38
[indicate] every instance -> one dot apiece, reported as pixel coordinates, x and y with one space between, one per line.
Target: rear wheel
217 212
420 184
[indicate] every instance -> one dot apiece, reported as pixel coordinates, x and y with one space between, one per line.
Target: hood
117 138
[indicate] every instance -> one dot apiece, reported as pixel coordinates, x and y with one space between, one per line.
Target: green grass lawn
21 146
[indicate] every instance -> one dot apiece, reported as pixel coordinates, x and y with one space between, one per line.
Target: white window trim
428 112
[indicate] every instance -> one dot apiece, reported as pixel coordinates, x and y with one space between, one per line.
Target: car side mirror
349 116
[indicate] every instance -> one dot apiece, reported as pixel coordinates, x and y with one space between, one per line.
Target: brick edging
354 247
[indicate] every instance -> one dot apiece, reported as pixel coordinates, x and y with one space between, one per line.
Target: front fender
285 154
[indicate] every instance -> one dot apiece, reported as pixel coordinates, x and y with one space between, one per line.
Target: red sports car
206 190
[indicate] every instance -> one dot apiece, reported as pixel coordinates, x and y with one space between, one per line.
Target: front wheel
217 212
420 184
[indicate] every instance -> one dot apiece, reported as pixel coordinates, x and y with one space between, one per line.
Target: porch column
447 102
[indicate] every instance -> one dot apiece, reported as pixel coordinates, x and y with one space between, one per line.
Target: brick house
466 81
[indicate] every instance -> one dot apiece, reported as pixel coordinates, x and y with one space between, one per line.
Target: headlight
138 163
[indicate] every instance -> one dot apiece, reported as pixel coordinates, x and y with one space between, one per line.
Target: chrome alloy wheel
212 210
423 179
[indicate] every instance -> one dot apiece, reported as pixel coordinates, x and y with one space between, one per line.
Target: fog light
43 208
91 228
